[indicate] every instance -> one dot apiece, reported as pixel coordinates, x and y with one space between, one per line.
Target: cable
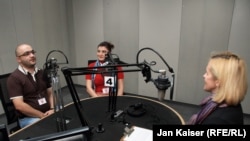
146 71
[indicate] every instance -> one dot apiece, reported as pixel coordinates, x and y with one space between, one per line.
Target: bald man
29 91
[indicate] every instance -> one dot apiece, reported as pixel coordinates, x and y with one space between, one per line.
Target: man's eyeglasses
27 53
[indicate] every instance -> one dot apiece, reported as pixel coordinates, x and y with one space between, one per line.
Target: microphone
112 60
146 73
109 58
162 83
107 62
50 69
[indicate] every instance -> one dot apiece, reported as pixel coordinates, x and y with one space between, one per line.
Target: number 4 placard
109 81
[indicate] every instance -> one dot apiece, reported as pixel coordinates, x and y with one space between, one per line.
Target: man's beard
29 65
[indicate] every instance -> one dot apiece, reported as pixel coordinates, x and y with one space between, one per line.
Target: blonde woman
226 79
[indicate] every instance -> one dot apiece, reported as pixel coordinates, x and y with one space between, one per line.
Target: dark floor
184 109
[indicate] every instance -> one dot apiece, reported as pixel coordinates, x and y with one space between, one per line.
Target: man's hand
49 112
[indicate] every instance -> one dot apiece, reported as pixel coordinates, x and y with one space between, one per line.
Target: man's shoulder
16 74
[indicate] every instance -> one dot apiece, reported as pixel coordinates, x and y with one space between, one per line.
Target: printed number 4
109 81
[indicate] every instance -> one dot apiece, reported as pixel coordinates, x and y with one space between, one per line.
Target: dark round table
136 111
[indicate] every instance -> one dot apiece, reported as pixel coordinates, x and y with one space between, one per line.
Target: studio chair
4 136
8 106
91 61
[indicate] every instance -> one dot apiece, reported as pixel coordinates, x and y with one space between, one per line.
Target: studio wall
183 32
41 23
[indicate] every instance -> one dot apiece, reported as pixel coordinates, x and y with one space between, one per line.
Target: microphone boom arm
161 84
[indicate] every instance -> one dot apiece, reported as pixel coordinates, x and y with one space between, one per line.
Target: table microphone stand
113 89
113 94
58 103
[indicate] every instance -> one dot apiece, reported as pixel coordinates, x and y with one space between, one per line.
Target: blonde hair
230 71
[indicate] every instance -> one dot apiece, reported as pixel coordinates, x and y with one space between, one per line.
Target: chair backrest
91 61
7 104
